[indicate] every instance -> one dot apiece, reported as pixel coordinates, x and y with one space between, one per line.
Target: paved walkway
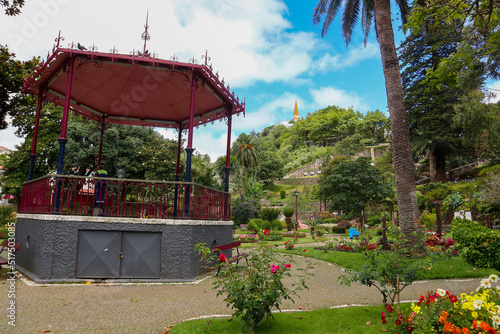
65 308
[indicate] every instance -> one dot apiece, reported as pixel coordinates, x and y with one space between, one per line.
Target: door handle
120 255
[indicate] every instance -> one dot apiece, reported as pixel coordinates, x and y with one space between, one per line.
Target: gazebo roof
134 89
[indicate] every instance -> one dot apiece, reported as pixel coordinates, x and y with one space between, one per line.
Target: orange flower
465 331
445 314
448 327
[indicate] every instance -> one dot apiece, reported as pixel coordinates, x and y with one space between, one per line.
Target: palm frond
329 8
404 9
350 18
367 17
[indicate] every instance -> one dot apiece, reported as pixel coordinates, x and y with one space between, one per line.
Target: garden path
102 308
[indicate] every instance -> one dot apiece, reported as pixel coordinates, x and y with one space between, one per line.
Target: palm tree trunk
432 168
403 161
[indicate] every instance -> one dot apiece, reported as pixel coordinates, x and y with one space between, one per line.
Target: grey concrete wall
49 243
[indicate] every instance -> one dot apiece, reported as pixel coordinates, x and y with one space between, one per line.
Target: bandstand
148 228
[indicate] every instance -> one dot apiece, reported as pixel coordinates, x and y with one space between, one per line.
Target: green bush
255 225
478 245
338 229
269 214
277 225
265 225
282 193
374 221
490 170
288 211
331 220
5 212
429 220
274 235
243 209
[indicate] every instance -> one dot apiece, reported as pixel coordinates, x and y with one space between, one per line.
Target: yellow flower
475 314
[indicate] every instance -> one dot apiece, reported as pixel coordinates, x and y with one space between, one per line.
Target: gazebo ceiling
134 89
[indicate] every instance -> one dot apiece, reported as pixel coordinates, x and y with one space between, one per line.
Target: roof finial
145 35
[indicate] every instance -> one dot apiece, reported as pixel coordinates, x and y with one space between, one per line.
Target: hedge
477 244
338 229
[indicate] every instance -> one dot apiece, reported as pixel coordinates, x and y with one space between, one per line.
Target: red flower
288 265
384 321
222 257
398 321
389 308
266 232
453 299
305 250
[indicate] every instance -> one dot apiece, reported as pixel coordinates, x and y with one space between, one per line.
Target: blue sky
267 50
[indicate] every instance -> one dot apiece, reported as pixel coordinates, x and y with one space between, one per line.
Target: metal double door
118 254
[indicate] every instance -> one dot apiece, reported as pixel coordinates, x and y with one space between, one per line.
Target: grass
443 266
362 319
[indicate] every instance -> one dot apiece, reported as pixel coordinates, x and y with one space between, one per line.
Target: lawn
349 320
443 266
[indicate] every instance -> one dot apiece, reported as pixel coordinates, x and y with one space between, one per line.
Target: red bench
5 246
218 250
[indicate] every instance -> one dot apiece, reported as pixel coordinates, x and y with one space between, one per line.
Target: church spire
296 116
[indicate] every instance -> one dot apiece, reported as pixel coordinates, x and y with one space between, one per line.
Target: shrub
477 244
265 225
344 223
429 220
331 220
254 225
255 291
269 214
288 211
277 225
374 221
243 209
274 235
5 213
282 193
338 229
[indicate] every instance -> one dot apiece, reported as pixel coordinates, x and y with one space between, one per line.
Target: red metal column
189 148
41 93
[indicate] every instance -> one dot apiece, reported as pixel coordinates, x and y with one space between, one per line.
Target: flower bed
293 234
442 312
246 237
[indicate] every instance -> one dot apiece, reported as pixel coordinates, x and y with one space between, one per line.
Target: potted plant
288 212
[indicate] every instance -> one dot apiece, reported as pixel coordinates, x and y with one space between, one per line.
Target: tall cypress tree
430 108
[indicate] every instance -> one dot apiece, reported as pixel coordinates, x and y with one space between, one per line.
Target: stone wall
49 243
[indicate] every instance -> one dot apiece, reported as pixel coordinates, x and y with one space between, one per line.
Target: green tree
271 166
13 7
351 185
12 74
436 192
473 114
480 19
379 11
246 151
375 125
430 110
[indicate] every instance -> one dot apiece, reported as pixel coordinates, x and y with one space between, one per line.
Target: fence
78 195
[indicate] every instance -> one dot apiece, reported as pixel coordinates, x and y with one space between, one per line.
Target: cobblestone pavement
65 308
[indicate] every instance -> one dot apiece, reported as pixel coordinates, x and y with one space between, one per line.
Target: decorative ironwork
145 35
58 40
193 61
207 59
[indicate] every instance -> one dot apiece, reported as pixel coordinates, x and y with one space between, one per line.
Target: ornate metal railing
79 195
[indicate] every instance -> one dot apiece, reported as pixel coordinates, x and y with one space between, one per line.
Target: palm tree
380 11
247 152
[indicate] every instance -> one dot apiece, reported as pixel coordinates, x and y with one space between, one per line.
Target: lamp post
121 173
296 193
121 176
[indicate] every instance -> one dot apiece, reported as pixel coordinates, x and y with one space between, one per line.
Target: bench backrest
227 246
5 244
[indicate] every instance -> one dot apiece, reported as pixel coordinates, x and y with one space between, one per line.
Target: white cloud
495 90
341 61
331 96
9 139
